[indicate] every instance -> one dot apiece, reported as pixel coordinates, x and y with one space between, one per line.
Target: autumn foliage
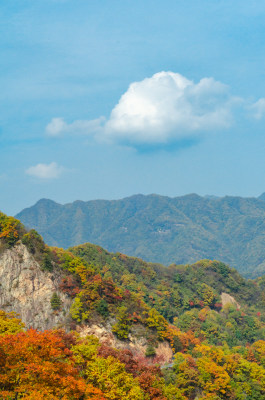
39 364
219 350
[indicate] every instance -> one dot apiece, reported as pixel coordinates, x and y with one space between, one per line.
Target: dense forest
213 319
161 229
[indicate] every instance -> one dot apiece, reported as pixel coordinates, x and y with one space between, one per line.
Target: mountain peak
46 202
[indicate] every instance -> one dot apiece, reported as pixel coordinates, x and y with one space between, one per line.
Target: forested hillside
211 318
179 292
160 229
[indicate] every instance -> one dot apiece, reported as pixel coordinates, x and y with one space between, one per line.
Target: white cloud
45 171
167 107
58 127
164 108
258 108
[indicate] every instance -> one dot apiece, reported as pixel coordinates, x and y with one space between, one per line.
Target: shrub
150 351
102 308
47 262
33 241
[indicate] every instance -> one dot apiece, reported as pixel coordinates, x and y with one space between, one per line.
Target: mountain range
160 229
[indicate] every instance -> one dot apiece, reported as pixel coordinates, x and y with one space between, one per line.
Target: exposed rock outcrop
228 299
27 290
136 344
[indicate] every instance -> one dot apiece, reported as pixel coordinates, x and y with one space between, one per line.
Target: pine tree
55 302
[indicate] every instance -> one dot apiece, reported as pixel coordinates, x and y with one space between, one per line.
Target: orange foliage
187 339
37 365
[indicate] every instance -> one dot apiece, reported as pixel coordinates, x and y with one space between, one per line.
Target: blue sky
108 99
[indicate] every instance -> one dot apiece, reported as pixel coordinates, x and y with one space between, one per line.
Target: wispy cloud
45 171
163 109
58 127
258 109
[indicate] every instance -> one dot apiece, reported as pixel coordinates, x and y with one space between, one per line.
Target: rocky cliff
27 290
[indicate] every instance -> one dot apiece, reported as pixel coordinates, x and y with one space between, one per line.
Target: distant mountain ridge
160 229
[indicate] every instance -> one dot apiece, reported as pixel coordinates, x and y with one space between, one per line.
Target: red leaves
148 383
124 356
218 305
69 286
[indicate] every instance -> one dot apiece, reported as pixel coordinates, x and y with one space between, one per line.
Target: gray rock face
27 290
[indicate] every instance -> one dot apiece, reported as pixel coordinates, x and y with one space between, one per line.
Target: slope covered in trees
95 298
189 296
218 341
146 297
161 229
54 365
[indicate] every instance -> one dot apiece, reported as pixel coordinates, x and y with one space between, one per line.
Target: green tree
122 327
102 308
47 262
150 351
55 302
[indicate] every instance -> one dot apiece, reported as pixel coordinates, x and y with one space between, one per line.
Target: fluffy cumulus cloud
168 107
45 171
164 108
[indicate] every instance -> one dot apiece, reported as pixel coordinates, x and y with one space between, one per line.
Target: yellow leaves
231 363
213 377
85 350
128 279
229 325
174 393
207 294
223 371
259 347
80 269
214 353
10 323
77 310
155 320
122 327
107 375
253 370
9 229
110 377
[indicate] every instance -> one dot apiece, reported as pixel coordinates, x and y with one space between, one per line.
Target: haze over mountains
160 229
